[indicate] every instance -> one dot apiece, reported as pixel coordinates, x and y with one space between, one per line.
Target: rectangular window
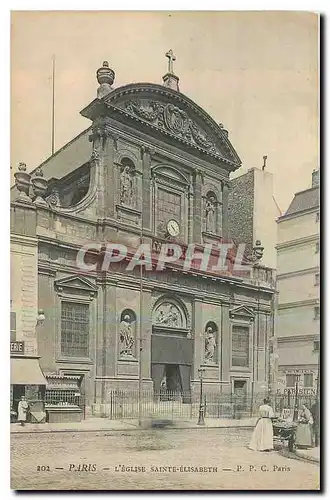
316 312
317 279
12 326
317 218
316 345
308 380
74 329
291 380
169 205
240 346
317 247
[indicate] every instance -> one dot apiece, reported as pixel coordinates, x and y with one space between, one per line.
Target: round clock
173 228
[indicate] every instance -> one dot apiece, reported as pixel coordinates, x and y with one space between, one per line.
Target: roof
206 135
304 200
66 160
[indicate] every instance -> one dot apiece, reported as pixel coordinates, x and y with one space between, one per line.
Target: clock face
173 228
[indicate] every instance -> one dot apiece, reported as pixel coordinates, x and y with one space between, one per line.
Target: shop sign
297 372
17 347
300 392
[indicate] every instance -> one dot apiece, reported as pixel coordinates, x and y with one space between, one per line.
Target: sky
255 72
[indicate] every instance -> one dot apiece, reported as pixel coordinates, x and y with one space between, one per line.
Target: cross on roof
171 58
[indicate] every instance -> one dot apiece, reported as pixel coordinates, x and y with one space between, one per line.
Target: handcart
285 431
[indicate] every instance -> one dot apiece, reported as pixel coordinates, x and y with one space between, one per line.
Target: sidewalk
312 454
95 424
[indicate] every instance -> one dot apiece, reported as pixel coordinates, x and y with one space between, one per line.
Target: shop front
26 379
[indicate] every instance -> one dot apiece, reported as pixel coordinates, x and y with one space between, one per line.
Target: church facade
152 169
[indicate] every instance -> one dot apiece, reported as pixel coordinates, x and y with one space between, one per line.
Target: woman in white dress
262 437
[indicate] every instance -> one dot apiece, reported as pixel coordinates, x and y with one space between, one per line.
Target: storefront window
308 380
291 380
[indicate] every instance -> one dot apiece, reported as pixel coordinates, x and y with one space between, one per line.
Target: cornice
99 107
294 215
294 338
298 241
302 272
301 303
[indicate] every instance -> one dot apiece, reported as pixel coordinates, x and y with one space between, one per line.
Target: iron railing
122 404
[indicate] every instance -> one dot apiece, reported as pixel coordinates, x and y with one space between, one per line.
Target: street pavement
176 459
106 424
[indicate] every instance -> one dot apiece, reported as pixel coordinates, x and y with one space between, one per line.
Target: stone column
197 218
146 154
225 221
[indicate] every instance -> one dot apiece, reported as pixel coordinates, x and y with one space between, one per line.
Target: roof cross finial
171 58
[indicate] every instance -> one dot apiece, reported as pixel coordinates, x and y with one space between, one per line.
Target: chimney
315 178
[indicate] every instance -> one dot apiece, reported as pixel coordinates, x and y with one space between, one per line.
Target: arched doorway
171 349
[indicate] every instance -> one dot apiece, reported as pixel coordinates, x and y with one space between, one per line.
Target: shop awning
26 371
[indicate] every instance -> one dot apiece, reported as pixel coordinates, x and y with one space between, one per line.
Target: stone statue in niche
210 214
210 345
127 187
126 337
168 315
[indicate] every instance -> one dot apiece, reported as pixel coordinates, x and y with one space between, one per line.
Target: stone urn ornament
39 186
22 181
105 77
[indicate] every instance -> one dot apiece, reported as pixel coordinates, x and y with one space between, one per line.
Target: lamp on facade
41 317
201 420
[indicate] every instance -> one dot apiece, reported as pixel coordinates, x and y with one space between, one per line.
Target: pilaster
197 208
225 221
146 154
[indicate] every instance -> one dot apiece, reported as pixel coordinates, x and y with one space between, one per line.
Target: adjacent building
153 168
298 285
253 212
27 378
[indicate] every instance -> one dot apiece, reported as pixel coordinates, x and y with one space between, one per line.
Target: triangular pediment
173 114
242 312
77 283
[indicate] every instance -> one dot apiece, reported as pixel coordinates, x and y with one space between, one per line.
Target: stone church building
152 168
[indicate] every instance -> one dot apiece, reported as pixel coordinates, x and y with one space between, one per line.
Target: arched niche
127 182
210 343
127 334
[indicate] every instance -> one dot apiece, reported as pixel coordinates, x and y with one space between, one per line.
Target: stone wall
240 209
